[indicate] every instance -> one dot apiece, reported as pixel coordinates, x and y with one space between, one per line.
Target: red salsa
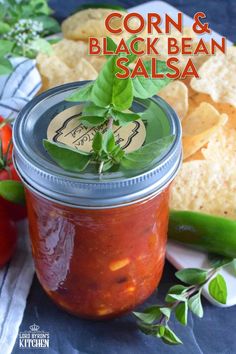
98 263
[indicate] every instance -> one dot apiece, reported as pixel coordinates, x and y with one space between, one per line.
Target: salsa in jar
98 245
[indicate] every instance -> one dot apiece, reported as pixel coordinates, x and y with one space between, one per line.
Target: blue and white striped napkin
19 87
16 90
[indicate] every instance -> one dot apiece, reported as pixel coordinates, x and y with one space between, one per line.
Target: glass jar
98 245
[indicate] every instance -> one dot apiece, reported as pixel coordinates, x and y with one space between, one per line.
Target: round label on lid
66 128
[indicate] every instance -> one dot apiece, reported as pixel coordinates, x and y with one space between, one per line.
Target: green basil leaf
169 337
123 118
181 313
122 96
13 191
108 89
130 56
109 143
97 142
103 86
5 66
195 305
5 47
192 276
111 45
218 289
66 157
41 45
4 28
94 121
90 109
144 88
107 165
82 94
150 315
142 157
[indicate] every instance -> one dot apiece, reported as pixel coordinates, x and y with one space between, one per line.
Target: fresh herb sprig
182 298
23 24
11 11
108 101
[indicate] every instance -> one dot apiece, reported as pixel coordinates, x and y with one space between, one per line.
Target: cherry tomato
5 136
8 172
8 237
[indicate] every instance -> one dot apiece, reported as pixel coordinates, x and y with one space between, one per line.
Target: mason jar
98 243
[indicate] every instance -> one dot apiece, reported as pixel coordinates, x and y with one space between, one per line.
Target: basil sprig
182 298
108 101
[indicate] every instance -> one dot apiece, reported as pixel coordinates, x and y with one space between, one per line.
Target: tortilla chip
199 126
91 23
203 186
209 185
217 77
196 98
176 94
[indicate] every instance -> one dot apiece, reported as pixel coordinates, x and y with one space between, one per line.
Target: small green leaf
192 276
181 313
145 155
195 304
177 289
147 87
4 28
122 95
82 94
5 47
166 311
107 165
150 315
174 297
13 191
169 337
97 142
90 109
94 121
109 143
218 289
108 89
5 66
66 157
123 118
41 45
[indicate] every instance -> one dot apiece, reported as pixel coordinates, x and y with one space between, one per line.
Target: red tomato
8 237
16 211
5 136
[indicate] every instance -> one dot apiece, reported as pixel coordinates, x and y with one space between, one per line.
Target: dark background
214 334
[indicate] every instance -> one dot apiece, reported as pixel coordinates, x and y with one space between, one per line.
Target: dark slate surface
215 333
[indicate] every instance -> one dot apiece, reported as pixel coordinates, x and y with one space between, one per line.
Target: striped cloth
15 283
19 87
16 90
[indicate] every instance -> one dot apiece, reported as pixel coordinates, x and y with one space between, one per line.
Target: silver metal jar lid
41 174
